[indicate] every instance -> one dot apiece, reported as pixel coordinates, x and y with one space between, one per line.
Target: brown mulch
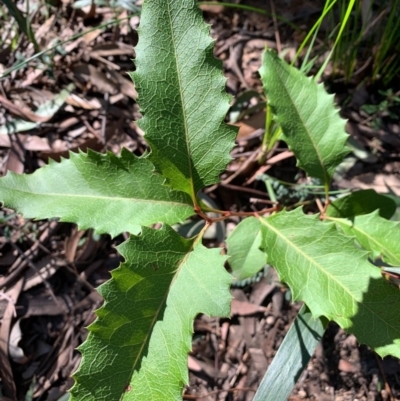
49 270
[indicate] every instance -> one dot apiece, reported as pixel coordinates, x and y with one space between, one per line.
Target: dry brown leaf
16 157
126 85
71 244
91 35
381 183
16 353
214 9
87 73
44 29
242 308
6 374
36 143
112 49
31 76
348 367
45 268
21 111
83 103
251 124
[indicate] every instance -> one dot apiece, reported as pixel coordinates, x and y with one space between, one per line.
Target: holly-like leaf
361 202
310 123
134 301
245 257
108 193
181 95
379 236
201 285
137 348
325 269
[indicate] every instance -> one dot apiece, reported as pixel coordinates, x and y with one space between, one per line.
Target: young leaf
134 302
379 236
108 193
361 202
181 95
201 285
324 268
310 123
245 257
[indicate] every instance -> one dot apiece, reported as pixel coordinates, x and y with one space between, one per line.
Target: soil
52 269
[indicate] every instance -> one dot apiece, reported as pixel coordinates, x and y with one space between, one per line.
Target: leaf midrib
160 309
367 235
98 197
312 261
174 46
304 125
263 221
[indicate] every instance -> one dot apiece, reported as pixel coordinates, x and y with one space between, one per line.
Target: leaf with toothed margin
310 123
181 95
361 202
108 193
379 236
325 269
137 349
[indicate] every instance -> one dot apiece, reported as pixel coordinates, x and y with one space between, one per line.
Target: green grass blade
344 23
292 357
23 22
315 28
182 95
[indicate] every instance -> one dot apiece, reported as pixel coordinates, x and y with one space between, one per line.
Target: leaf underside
326 270
310 123
108 193
245 257
379 236
134 301
182 95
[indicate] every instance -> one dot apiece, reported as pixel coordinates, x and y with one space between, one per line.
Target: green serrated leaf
245 257
361 202
201 285
134 301
181 95
108 193
310 123
326 270
379 236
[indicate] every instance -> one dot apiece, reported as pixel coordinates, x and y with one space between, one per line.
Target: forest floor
87 101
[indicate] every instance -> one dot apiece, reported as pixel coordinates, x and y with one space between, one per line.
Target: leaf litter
49 270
